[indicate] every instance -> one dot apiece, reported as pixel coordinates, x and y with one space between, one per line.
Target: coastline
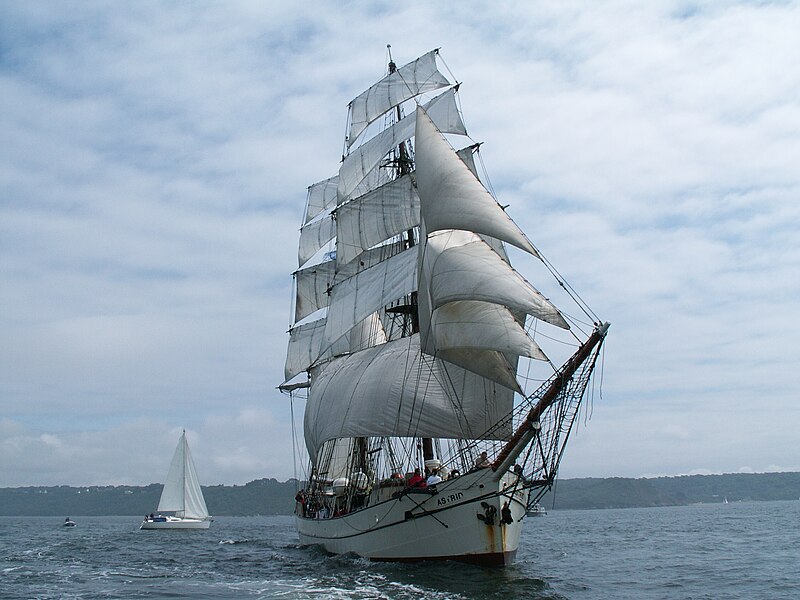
271 497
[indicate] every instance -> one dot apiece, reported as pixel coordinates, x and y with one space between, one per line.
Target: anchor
490 514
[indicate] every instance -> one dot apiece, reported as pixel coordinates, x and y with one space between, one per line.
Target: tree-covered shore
271 497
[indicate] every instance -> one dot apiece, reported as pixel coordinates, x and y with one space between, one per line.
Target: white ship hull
176 523
420 525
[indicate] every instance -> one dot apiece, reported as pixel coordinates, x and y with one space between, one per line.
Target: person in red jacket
416 480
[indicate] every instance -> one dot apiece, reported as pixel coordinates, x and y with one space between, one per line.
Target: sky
153 174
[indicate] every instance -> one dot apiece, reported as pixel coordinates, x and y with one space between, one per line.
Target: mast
404 162
530 426
404 167
183 481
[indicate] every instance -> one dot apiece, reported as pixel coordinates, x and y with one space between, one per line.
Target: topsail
421 75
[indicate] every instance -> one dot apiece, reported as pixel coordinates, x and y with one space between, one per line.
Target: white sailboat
181 496
416 345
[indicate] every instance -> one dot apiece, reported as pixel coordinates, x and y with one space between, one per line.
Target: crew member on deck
434 478
483 461
416 480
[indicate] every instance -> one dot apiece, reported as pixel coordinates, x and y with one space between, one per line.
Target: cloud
231 448
153 179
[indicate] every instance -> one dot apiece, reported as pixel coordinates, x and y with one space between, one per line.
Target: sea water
739 550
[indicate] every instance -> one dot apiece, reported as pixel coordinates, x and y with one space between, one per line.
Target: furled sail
182 493
419 396
417 77
458 199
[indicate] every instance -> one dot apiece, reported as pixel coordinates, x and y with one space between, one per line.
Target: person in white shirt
483 461
433 478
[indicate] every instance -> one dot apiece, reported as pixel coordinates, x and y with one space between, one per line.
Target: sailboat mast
183 482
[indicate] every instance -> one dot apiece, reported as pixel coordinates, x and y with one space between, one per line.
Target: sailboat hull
462 521
176 523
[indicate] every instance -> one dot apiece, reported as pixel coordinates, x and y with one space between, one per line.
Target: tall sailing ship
418 347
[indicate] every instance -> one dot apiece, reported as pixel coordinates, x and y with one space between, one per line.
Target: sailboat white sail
410 333
181 496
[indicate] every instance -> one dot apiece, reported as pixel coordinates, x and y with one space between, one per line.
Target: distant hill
271 497
260 497
619 492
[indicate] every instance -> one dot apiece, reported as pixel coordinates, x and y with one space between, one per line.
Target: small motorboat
69 522
536 510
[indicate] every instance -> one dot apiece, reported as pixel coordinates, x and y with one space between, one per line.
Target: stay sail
418 348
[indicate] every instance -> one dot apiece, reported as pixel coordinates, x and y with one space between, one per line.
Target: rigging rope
294 442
